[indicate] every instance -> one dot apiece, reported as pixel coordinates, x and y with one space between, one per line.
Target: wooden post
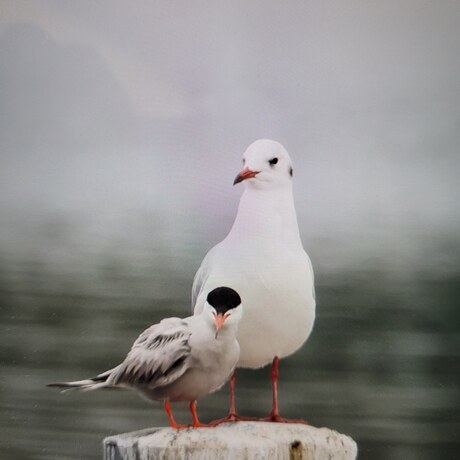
242 440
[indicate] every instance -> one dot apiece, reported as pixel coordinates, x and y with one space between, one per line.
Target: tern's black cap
223 299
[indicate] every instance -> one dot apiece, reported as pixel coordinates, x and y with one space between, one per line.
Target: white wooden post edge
242 440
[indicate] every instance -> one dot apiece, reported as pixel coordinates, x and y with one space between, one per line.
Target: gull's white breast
276 287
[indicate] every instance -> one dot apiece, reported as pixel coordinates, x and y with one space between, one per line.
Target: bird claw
178 426
275 418
232 418
202 425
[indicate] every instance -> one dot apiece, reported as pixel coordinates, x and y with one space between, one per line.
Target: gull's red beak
219 318
245 174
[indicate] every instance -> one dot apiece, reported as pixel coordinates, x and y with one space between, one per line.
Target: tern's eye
273 161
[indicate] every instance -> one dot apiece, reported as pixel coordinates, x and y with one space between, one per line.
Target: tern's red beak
245 174
219 318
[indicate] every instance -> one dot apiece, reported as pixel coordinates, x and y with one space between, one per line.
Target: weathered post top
242 440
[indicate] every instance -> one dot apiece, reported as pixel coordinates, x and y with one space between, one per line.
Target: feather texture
158 357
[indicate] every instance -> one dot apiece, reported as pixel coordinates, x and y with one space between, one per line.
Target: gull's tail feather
95 383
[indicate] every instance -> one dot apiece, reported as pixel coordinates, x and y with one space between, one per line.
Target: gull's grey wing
200 277
313 291
159 356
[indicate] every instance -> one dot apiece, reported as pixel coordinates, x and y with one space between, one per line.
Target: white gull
263 259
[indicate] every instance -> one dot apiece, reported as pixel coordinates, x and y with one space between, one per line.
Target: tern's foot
202 425
178 426
275 418
232 418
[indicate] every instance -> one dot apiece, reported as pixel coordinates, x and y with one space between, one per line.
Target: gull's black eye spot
273 161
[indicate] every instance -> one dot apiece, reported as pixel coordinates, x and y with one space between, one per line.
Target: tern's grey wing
158 357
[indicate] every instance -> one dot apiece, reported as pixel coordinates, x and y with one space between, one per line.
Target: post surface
242 440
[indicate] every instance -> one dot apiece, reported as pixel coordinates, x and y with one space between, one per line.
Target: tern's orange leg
274 415
232 415
172 422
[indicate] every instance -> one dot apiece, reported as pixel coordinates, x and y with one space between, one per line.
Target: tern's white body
203 368
263 259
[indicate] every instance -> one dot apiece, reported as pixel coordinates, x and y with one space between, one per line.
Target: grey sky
113 105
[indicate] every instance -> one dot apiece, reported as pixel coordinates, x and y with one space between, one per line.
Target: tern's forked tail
94 383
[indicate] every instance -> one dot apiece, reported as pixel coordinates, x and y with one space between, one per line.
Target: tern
179 359
263 259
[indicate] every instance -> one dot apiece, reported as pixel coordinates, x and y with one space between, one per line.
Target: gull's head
224 305
266 164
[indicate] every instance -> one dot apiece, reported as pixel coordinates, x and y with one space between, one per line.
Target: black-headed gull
263 259
179 359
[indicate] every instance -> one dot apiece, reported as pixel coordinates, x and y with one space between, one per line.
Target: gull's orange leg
172 422
274 415
232 415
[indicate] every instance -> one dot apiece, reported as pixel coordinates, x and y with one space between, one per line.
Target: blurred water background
122 126
381 365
